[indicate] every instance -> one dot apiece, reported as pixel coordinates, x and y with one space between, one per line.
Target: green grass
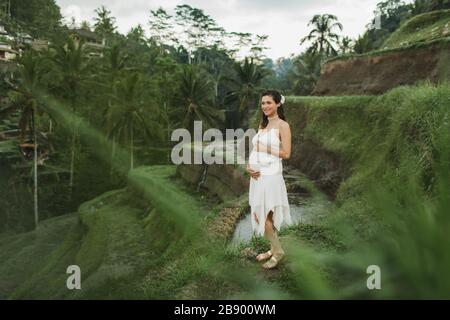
148 241
8 147
425 27
377 135
24 255
430 29
336 123
443 43
118 238
128 248
390 211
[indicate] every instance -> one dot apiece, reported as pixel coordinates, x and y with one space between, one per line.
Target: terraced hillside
422 28
417 51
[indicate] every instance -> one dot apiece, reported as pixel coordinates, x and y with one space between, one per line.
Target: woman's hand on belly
253 173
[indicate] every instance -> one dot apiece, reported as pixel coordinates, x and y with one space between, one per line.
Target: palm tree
25 100
249 77
345 45
116 62
363 44
323 36
105 24
216 62
306 72
166 75
197 94
129 113
111 73
71 67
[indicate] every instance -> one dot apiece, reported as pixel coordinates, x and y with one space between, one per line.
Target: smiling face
269 106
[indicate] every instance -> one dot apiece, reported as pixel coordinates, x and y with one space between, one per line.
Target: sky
284 21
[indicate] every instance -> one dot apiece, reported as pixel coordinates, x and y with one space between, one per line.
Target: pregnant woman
267 194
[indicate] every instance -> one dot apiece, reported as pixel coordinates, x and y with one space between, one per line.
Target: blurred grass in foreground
149 241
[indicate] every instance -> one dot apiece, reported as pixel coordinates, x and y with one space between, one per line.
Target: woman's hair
276 96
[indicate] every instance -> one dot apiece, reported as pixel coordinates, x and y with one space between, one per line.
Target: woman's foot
274 260
264 256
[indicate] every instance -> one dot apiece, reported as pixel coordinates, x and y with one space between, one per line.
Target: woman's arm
285 150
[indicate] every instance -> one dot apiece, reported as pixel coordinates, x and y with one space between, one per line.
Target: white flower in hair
283 99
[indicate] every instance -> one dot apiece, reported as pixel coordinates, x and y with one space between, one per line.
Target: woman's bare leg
265 255
271 235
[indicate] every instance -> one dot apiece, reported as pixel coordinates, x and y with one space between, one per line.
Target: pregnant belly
263 162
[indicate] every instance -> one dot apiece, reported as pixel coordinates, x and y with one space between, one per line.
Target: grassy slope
425 27
432 28
378 134
126 249
397 195
123 245
120 239
24 255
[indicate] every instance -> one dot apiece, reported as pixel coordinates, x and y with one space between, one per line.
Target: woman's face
269 106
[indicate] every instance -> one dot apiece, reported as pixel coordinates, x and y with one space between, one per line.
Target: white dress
268 192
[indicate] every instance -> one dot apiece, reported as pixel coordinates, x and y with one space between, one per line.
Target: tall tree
345 45
161 31
111 71
241 40
26 100
248 78
322 35
218 36
71 68
85 25
196 92
198 29
130 112
257 48
105 23
305 72
38 17
217 63
363 44
140 54
137 35
183 18
203 25
166 74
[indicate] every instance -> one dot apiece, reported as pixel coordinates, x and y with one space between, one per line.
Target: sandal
273 262
264 256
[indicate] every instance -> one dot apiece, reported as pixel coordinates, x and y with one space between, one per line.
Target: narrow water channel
303 210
